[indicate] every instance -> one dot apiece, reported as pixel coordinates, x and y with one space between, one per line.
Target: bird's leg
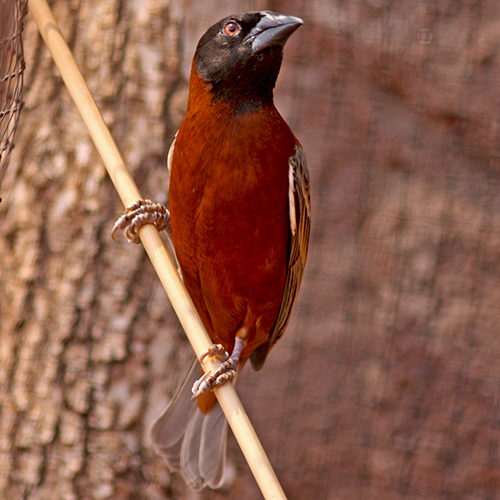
140 213
225 371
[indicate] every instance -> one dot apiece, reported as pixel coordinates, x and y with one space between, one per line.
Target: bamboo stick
162 262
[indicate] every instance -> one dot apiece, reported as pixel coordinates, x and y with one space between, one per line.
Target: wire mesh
388 381
12 13
385 385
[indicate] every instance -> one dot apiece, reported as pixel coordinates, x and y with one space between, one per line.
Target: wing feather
170 155
300 226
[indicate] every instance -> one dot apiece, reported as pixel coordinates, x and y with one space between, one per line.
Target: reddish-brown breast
230 214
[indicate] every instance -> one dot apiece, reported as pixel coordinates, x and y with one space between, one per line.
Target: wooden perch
167 272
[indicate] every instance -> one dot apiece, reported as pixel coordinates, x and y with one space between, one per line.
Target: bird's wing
171 154
300 224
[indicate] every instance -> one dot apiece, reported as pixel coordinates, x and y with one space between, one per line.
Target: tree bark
89 345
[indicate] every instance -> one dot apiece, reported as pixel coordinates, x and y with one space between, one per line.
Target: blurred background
386 383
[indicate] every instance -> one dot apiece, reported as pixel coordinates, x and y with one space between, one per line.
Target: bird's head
240 57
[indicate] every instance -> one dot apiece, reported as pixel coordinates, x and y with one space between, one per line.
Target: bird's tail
191 441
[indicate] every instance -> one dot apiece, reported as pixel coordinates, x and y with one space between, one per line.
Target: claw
226 370
216 351
140 213
209 381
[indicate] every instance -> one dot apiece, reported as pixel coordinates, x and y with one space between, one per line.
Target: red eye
231 28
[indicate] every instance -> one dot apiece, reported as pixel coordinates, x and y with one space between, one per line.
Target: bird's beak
272 29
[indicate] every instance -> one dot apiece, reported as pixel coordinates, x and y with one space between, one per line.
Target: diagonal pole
160 258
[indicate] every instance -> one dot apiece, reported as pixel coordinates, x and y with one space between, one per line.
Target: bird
239 220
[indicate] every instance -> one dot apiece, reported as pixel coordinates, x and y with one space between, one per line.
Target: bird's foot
210 380
140 213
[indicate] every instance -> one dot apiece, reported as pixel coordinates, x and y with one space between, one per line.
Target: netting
385 385
388 377
12 66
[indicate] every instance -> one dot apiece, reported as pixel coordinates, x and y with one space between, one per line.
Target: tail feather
190 441
190 452
167 432
212 457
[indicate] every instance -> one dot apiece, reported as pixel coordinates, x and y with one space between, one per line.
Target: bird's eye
231 28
